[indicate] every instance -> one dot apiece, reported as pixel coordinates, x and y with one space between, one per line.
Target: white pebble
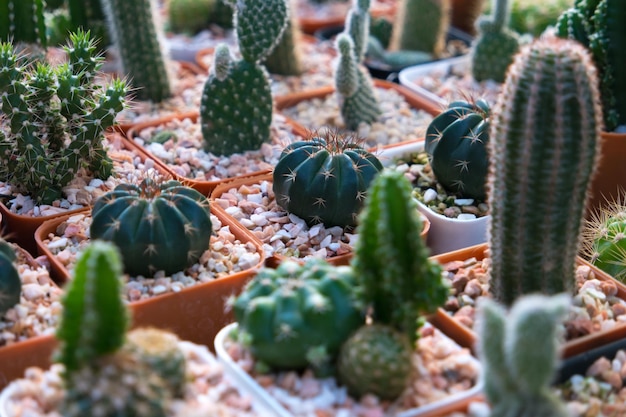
466 216
429 195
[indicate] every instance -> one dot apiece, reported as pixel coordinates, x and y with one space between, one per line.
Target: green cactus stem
23 21
88 15
10 283
545 141
421 25
286 57
259 26
189 16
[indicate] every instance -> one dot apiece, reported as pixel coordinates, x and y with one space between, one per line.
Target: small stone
430 195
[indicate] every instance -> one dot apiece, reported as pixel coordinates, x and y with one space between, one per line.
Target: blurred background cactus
189 16
22 21
10 283
286 57
421 25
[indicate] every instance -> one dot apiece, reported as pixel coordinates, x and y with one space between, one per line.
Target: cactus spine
23 21
519 353
545 141
604 240
137 35
10 283
421 25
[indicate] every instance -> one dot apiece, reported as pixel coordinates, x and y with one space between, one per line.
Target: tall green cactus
23 21
496 45
236 105
545 141
421 25
137 36
10 283
519 354
286 57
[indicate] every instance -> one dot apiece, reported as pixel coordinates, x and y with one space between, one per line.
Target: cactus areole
157 226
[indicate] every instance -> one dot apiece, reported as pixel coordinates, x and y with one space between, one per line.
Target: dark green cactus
381 28
572 24
23 21
157 226
10 283
324 179
544 146
496 45
286 57
296 315
391 260
519 354
189 16
456 143
421 25
88 15
58 116
222 14
604 240
259 26
137 36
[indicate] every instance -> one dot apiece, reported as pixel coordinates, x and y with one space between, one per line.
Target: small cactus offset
519 354
296 315
545 130
325 179
10 282
189 16
421 25
496 45
23 21
456 143
157 226
133 29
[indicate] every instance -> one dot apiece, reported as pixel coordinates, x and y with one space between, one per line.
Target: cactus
376 359
381 28
189 16
545 141
519 354
286 57
222 14
421 25
57 120
236 105
157 226
137 36
391 260
23 21
88 15
456 143
10 283
496 45
324 180
298 315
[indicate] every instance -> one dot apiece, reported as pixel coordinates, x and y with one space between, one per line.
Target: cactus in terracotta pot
157 226
23 21
421 25
545 141
10 283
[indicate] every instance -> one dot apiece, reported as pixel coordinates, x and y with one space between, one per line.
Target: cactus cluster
23 21
297 315
10 283
456 143
236 105
324 179
158 226
544 146
189 16
421 25
56 119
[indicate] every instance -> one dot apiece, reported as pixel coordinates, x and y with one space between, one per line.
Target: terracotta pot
310 24
465 13
571 347
609 181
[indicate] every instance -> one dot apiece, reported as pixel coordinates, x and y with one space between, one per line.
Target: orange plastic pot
609 181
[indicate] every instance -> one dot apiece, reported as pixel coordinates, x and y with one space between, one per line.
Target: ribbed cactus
157 226
88 15
496 45
421 25
604 239
56 120
23 21
519 354
325 179
189 16
299 315
286 57
137 36
456 143
10 283
391 260
236 105
545 140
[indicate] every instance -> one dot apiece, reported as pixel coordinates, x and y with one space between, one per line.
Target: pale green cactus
421 25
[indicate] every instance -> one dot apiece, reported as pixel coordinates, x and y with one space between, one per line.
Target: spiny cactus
56 120
157 226
189 16
298 315
456 143
23 21
545 140
519 354
496 45
137 36
236 105
391 260
325 179
10 283
421 25
286 57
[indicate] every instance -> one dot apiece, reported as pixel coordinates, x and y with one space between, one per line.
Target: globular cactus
56 119
189 16
496 45
456 143
519 354
544 146
376 359
137 35
157 226
10 283
236 105
324 180
391 260
421 25
286 57
23 21
296 315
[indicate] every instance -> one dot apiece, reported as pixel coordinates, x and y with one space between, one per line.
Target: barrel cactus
325 179
297 315
456 143
10 283
157 226
604 240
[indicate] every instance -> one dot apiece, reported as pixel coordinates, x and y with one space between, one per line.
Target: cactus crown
10 283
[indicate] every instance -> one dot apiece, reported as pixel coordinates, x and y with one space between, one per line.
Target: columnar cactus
23 21
456 143
286 57
10 283
545 140
519 354
421 25
299 315
496 45
236 105
137 35
189 16
324 180
157 226
56 120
